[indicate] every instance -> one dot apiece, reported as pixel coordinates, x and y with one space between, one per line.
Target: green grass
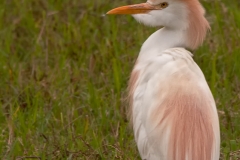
64 72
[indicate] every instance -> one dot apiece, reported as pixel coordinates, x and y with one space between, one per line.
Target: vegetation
64 72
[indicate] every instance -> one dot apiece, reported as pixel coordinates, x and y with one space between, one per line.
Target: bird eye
164 5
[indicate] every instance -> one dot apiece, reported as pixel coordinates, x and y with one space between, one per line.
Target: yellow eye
164 5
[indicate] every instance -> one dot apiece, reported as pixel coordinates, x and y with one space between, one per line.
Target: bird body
172 110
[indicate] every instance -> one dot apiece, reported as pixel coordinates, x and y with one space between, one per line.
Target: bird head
184 15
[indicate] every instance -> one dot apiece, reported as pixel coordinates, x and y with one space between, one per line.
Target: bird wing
173 111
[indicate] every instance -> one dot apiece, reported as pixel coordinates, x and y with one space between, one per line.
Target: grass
64 70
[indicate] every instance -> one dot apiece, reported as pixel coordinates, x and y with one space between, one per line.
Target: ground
64 72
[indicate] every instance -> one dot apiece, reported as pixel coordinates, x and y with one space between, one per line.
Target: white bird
172 109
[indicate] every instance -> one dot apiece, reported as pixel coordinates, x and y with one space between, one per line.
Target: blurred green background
64 68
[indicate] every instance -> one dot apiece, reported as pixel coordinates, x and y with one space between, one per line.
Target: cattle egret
172 109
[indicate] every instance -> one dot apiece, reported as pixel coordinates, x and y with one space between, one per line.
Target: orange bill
133 9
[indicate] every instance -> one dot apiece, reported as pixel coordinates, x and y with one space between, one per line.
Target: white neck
161 40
